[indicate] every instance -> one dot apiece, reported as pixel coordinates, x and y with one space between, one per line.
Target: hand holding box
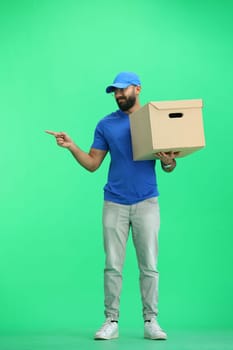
167 126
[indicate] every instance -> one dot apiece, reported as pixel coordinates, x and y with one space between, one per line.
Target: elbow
92 168
93 164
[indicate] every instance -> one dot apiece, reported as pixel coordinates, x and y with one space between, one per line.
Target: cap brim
111 88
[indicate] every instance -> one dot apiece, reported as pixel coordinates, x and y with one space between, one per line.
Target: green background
56 58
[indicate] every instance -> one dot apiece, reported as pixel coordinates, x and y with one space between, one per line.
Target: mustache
121 99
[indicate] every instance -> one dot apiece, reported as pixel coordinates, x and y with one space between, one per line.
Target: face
125 98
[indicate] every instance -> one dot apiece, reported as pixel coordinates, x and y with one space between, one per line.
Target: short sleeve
99 140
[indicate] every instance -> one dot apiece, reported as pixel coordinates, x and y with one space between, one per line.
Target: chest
117 132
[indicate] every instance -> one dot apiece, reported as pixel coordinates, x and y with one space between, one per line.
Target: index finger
51 132
157 154
162 154
175 154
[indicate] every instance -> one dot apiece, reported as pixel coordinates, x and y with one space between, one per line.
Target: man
130 201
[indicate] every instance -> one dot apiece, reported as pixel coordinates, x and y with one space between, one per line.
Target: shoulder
108 119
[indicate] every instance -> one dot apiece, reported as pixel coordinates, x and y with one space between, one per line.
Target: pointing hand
63 140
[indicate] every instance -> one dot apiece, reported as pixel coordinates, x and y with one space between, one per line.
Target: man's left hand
166 157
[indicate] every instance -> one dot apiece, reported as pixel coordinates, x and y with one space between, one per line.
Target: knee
149 272
113 264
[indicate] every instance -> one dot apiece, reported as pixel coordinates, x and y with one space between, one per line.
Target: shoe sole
106 338
155 338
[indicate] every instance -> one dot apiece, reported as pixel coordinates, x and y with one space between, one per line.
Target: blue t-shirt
129 181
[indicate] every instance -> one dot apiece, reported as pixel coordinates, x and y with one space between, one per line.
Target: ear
138 89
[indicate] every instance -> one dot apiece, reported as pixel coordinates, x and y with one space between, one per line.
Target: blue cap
123 80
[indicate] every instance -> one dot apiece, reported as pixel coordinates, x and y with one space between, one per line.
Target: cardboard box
167 126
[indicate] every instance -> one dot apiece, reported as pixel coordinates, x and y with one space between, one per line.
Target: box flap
177 104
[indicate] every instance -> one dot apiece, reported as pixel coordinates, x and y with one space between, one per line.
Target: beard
125 103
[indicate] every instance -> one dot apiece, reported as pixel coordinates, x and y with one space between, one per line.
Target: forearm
168 167
83 158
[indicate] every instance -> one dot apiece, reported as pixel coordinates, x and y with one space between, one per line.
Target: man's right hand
90 161
63 140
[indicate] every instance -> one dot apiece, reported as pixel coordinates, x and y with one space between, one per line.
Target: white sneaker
109 330
152 330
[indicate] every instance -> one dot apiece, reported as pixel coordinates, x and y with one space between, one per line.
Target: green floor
129 339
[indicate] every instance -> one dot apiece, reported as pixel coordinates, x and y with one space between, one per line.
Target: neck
133 109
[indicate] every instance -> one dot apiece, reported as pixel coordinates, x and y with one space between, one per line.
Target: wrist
71 147
169 166
166 166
